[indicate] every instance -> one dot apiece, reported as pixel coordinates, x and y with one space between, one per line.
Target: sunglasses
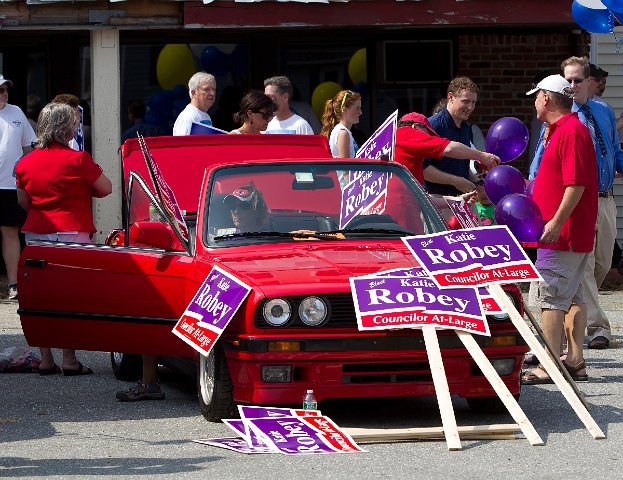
266 115
3 90
577 81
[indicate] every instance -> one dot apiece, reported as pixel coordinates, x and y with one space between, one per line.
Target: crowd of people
576 157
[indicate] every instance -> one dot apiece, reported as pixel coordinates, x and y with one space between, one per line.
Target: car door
108 298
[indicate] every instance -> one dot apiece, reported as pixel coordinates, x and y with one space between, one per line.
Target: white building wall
608 54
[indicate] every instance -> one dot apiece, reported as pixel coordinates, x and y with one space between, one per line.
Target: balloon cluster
358 73
597 16
506 188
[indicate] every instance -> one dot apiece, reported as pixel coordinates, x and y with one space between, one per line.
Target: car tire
126 366
214 387
491 405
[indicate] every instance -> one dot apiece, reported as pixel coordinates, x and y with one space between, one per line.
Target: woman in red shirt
55 185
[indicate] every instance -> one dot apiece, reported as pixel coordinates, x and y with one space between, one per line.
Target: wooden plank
546 361
477 432
500 388
441 388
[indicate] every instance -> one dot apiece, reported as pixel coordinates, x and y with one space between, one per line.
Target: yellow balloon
357 67
175 65
322 93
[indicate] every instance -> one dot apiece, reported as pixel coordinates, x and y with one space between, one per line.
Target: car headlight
277 312
313 311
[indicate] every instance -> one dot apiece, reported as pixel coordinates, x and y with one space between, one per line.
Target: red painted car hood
317 268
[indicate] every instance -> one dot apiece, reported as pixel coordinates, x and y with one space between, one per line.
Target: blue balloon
214 61
161 102
238 61
361 88
593 20
180 92
615 5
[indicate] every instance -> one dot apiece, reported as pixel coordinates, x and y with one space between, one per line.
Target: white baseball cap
553 83
5 80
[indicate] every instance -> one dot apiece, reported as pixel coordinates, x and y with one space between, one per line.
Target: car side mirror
156 235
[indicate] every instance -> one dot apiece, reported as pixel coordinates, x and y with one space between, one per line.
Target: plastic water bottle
309 401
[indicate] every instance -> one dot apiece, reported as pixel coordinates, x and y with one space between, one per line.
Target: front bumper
364 366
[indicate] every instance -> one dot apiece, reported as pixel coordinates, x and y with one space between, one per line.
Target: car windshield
316 201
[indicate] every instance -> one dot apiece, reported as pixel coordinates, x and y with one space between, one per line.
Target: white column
105 130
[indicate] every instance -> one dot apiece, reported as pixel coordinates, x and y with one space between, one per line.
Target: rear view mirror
155 234
315 183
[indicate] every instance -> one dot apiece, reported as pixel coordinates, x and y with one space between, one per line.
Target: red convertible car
297 329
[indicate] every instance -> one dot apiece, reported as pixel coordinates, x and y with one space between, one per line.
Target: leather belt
607 194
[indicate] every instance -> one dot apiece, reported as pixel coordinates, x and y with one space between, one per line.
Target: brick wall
504 66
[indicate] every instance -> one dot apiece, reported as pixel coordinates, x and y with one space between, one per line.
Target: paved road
72 427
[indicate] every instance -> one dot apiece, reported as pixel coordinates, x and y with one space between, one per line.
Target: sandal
77 371
573 371
50 371
530 378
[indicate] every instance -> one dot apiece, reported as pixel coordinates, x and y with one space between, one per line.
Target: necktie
591 123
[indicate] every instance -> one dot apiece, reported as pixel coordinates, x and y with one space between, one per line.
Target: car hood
314 268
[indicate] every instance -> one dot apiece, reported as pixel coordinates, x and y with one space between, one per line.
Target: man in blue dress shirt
450 176
601 123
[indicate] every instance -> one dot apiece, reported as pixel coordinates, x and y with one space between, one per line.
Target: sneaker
150 391
13 291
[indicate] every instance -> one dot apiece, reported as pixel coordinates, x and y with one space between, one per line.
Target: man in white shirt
285 120
16 136
202 91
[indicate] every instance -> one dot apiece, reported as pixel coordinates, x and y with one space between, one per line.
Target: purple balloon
521 215
503 180
507 138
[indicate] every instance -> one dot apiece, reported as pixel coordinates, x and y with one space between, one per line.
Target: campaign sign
239 427
164 192
303 435
267 412
461 211
365 195
210 310
472 257
383 302
488 302
236 444
382 142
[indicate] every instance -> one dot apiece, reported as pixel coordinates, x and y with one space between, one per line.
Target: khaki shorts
562 273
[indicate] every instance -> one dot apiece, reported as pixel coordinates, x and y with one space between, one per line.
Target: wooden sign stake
546 361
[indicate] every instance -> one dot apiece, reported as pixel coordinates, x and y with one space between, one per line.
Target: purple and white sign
365 195
306 435
386 302
472 257
164 191
489 304
210 310
382 143
461 211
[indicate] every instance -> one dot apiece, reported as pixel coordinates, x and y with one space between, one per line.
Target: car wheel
214 387
126 366
492 405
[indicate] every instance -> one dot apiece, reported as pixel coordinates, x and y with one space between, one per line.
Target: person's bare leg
11 249
70 362
575 326
150 369
552 324
47 359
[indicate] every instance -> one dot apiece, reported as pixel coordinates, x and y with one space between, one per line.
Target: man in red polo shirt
565 191
416 140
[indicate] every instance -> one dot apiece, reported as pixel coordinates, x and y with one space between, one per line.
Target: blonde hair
333 109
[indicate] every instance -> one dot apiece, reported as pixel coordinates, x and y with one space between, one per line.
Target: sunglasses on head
266 115
4 89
